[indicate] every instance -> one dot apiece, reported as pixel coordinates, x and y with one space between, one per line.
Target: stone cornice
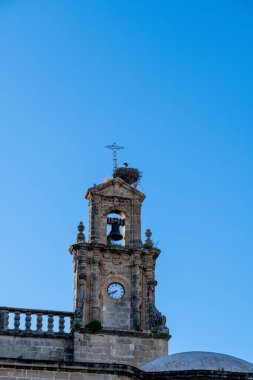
112 248
97 188
119 369
128 333
60 366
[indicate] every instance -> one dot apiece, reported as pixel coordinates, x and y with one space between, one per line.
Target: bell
115 232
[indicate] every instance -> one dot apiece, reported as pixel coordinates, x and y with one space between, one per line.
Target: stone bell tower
114 272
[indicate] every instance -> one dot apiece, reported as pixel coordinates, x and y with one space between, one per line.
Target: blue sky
172 81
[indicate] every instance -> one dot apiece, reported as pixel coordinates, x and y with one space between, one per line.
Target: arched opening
115 228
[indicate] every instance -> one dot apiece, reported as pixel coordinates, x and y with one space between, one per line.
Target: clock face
116 291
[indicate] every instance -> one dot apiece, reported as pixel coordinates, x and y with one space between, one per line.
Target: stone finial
148 242
80 236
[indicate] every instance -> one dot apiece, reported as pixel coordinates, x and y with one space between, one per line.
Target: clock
116 291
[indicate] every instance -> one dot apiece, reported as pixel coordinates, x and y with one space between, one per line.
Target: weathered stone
133 349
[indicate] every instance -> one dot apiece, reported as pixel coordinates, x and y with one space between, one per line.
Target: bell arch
117 224
116 210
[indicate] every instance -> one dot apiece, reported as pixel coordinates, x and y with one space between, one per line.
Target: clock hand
113 292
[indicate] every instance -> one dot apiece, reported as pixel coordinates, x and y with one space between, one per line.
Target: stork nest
129 175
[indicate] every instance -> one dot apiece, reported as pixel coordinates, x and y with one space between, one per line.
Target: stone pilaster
96 286
94 218
136 290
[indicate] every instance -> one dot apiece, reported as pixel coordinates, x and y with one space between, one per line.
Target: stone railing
35 321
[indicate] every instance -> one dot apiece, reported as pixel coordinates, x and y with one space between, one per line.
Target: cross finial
114 147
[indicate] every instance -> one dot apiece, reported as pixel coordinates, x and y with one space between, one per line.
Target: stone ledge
37 311
129 333
119 369
69 336
51 365
34 335
112 248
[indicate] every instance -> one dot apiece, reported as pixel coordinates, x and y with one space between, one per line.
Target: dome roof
198 360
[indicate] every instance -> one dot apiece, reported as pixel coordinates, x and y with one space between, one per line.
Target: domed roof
198 360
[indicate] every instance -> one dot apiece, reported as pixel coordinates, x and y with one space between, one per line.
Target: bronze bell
115 232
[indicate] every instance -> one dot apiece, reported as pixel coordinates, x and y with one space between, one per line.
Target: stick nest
129 175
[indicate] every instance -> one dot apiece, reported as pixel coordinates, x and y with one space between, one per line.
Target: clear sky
170 80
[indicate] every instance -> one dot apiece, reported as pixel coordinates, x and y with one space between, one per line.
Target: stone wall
116 314
108 347
35 370
29 347
102 347
19 374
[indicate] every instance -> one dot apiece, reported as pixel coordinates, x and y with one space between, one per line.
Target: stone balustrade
34 321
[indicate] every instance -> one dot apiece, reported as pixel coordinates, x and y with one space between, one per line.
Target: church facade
115 330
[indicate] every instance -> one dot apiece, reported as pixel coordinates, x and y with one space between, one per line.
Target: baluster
50 324
28 322
17 321
39 323
4 320
71 323
61 324
2 316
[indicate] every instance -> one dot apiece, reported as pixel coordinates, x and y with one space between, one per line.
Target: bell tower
114 271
